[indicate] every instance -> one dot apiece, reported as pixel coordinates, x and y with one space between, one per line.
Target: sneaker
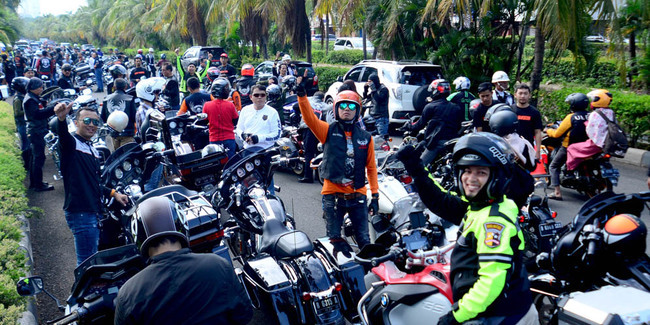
305 180
43 187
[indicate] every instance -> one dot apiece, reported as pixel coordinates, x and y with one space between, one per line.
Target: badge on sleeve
265 117
493 232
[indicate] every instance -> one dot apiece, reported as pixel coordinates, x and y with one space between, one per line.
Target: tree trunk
307 37
633 69
364 40
536 75
326 34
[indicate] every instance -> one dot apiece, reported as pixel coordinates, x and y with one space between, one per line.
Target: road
53 245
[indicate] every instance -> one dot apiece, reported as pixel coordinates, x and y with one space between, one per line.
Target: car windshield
419 75
358 43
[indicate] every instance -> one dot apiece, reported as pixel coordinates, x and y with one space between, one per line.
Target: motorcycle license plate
611 173
549 228
408 188
326 304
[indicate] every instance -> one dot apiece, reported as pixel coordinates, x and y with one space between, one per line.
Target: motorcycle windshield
235 160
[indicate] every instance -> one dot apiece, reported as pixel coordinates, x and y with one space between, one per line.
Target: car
318 37
22 45
195 54
596 38
352 43
264 71
407 83
87 47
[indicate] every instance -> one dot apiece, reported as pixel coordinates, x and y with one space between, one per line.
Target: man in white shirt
259 123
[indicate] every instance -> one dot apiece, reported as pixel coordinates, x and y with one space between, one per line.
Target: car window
189 53
358 43
265 68
367 72
354 74
340 42
419 76
389 76
301 70
348 44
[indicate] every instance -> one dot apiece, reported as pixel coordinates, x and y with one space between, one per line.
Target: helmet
19 84
66 67
138 56
286 57
289 81
151 50
220 88
273 93
496 108
347 96
462 83
155 218
503 122
439 88
163 56
213 74
34 83
484 149
211 149
577 102
500 76
86 101
600 98
139 51
148 88
117 70
118 120
625 234
247 70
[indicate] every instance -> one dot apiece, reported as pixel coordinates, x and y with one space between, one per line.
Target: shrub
631 109
327 75
12 203
603 74
347 57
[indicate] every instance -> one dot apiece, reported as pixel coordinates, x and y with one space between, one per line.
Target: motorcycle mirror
69 92
30 286
87 91
201 116
379 223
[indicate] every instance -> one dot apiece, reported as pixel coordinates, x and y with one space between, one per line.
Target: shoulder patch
493 232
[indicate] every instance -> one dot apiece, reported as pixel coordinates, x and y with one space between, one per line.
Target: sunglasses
259 95
94 121
350 106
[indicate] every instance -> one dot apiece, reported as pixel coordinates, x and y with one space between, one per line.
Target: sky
57 7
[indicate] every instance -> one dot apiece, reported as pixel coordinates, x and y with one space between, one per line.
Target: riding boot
27 156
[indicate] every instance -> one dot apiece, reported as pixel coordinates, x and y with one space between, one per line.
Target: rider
19 84
66 82
245 83
138 72
596 129
462 97
378 93
222 117
210 292
441 118
36 116
45 65
150 62
120 101
501 95
572 130
184 76
489 281
485 95
148 91
194 102
348 155
226 67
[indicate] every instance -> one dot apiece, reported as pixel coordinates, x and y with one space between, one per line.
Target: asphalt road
53 245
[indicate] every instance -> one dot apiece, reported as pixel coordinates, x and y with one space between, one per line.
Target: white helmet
462 83
148 88
286 57
151 50
118 120
500 76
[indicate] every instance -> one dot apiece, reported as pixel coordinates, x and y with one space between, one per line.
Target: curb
636 157
29 317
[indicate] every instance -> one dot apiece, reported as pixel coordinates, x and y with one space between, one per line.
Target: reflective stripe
495 258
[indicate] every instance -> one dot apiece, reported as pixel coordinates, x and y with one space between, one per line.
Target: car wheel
420 99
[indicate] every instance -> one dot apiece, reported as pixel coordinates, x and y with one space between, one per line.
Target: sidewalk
636 157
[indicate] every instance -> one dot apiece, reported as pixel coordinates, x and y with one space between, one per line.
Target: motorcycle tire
546 308
298 168
320 178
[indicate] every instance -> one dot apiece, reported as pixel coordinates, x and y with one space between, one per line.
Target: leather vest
335 154
578 128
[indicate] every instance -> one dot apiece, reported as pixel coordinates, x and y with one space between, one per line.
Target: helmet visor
472 159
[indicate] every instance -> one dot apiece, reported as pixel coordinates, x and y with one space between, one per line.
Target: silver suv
407 83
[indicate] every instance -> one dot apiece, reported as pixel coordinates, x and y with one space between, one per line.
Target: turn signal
554 214
338 286
607 156
306 296
406 179
521 219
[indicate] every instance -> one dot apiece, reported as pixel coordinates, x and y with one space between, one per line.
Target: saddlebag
268 285
608 305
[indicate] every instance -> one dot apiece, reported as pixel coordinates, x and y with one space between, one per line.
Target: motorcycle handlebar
163 153
393 254
67 319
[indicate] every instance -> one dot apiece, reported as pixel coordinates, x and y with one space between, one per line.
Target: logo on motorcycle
384 300
493 232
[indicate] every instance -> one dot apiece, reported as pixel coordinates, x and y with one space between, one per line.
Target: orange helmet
348 96
247 70
600 98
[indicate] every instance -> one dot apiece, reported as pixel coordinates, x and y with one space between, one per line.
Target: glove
448 319
300 90
373 209
410 156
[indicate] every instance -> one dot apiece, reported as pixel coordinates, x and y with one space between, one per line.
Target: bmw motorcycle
295 280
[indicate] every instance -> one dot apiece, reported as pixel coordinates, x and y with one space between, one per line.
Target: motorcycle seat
280 242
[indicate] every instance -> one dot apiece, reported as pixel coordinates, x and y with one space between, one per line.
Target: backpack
616 141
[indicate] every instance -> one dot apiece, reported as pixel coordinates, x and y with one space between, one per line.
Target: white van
352 43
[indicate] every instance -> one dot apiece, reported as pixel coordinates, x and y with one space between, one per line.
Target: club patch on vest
265 117
493 232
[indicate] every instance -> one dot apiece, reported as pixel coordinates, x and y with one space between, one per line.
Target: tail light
223 160
338 286
521 219
211 237
315 80
185 172
607 156
554 214
406 179
306 296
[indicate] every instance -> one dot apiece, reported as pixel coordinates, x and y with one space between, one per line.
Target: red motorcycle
408 284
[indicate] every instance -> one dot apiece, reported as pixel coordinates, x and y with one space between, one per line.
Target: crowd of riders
492 159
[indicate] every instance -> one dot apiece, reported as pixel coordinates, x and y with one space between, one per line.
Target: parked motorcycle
298 281
96 284
84 75
291 146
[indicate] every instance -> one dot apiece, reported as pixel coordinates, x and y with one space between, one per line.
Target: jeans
382 125
310 143
99 78
85 231
556 166
38 158
356 208
154 180
229 145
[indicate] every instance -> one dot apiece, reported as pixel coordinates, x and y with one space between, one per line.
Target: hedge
603 74
327 75
12 203
632 110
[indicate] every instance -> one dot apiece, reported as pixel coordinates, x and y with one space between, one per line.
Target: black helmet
220 88
289 81
503 122
577 102
163 56
19 84
117 70
489 150
439 88
66 67
495 109
273 93
155 218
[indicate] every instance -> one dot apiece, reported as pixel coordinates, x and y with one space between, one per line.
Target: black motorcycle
96 284
297 281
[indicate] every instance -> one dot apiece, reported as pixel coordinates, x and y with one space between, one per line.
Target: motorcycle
96 284
599 248
297 281
84 75
291 146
